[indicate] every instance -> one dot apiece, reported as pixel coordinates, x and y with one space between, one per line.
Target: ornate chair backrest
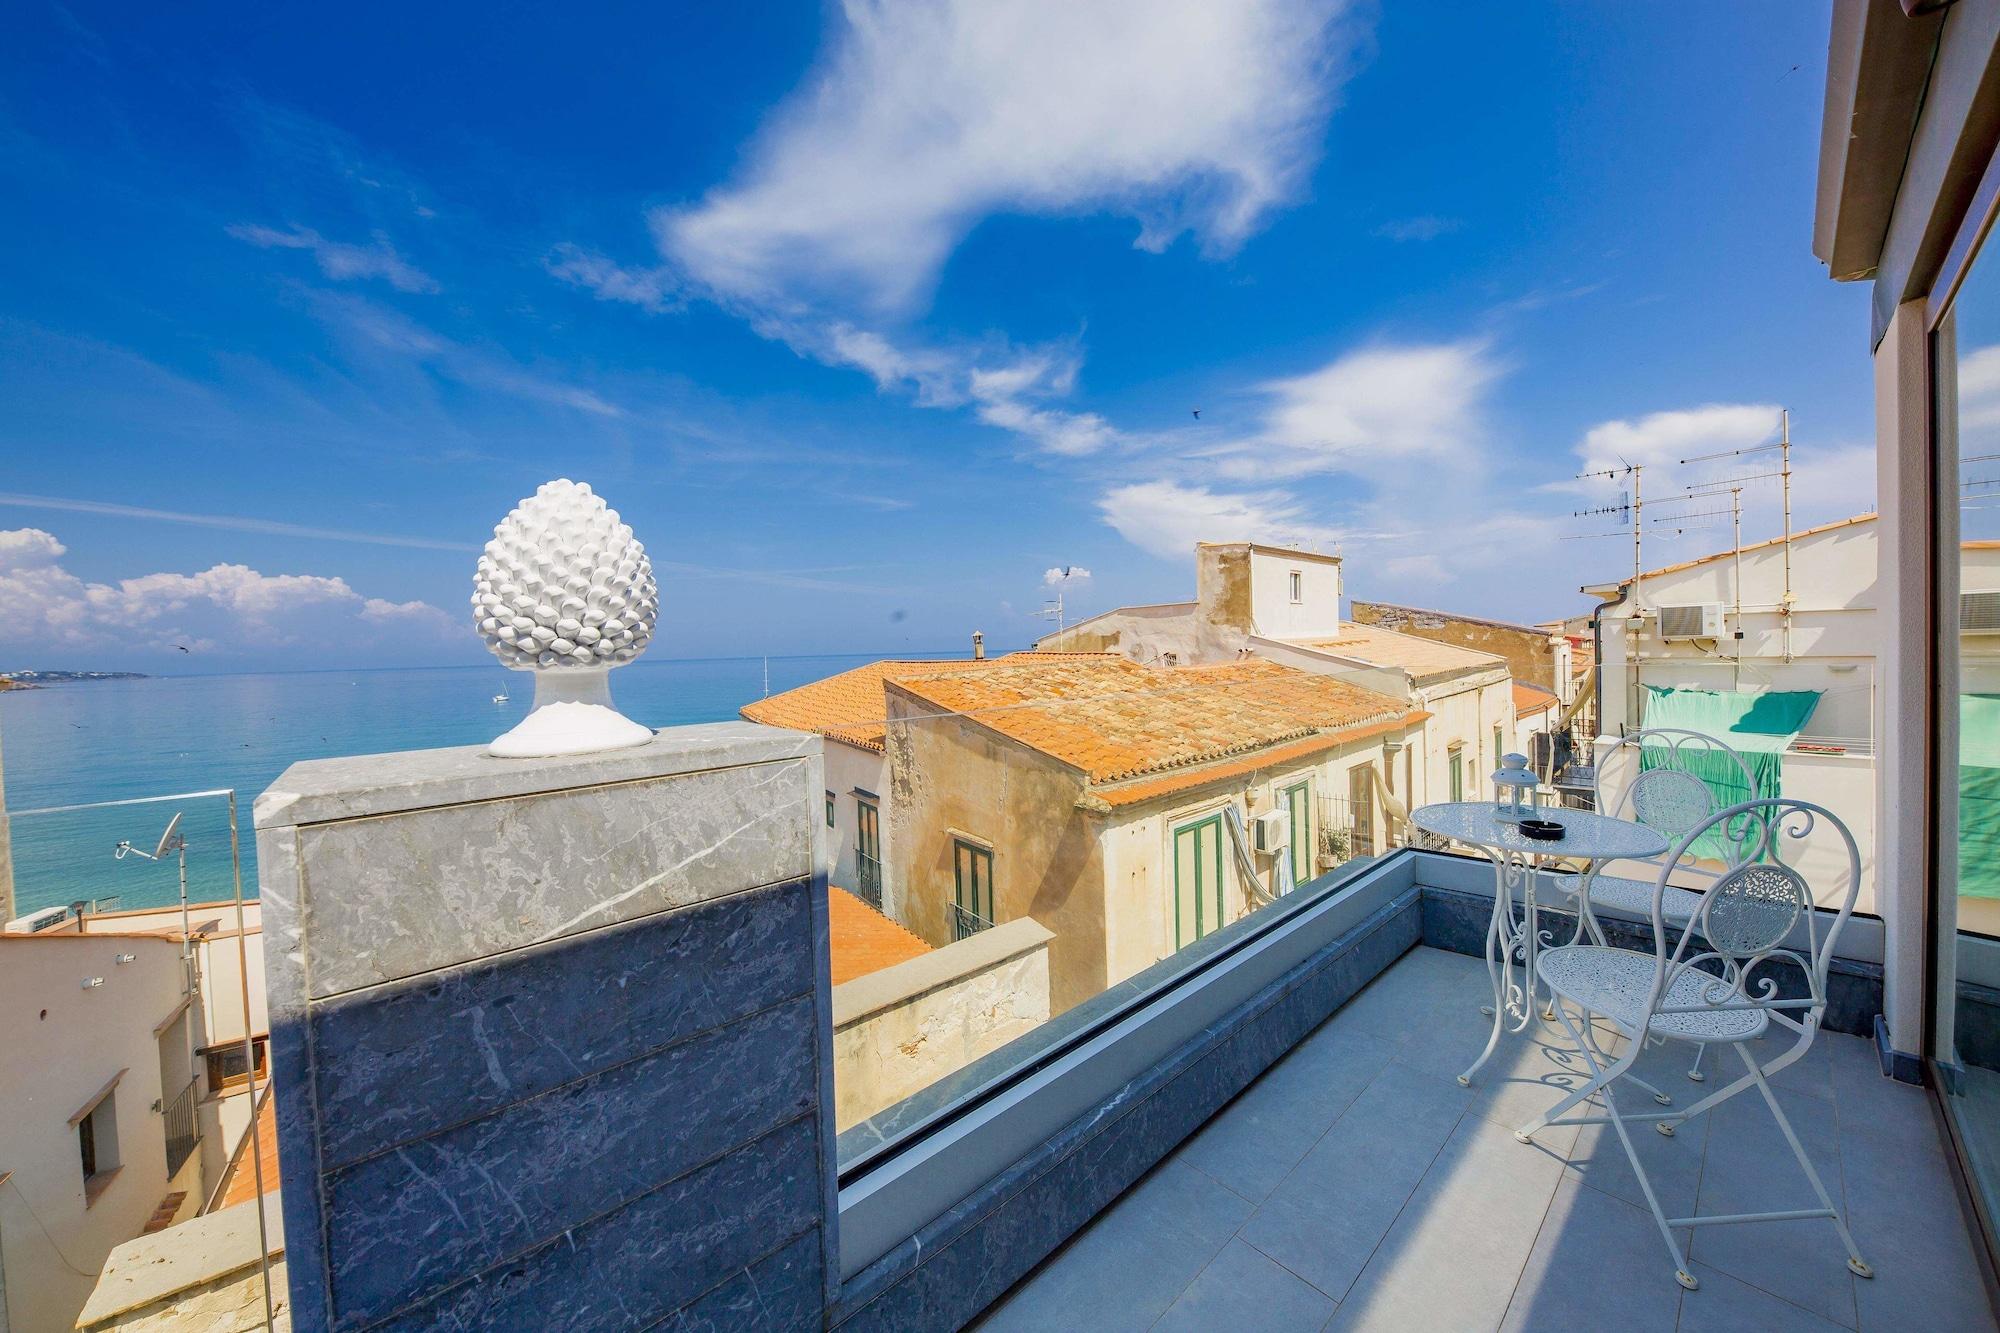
1760 912
1670 798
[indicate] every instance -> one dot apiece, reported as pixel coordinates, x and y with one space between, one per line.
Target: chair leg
1855 1262
1694 1070
1597 1079
1682 1274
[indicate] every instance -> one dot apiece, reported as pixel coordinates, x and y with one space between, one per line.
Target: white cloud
1065 576
1668 437
653 290
1166 519
1428 227
1384 408
51 610
340 260
1184 115
1830 483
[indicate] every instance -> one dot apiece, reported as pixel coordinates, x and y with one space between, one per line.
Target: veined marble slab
320 790
392 896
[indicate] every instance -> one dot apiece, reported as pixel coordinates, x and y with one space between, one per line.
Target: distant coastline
28 680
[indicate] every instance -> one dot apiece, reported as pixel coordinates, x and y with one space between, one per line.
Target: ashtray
1542 830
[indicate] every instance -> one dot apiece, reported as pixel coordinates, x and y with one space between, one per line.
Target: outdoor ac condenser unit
1979 613
1696 620
1271 832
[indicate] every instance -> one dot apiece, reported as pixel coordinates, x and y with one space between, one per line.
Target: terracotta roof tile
847 706
1427 660
863 940
1116 720
1532 699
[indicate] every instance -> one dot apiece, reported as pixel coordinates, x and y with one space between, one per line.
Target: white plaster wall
64 1043
885 1056
848 767
1274 614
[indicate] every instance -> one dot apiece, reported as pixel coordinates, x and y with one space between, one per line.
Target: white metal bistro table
1590 838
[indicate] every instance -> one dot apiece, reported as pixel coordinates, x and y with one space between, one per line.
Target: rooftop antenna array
173 843
1629 509
1783 444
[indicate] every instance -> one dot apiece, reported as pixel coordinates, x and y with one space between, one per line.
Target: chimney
978 646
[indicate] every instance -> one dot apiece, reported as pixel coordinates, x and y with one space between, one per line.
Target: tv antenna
1630 509
1053 609
172 843
1783 444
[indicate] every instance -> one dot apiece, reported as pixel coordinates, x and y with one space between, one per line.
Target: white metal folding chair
1669 798
1760 929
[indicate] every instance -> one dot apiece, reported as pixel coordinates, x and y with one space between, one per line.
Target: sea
116 740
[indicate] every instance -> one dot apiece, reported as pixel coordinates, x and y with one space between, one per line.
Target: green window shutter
1197 879
1298 803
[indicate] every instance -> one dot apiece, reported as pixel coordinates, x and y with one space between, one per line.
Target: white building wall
64 1043
848 768
1274 613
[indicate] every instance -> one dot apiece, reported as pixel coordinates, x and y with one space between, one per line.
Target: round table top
1586 835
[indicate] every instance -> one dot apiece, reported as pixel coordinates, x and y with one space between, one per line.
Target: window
868 850
1197 879
1499 744
829 809
1361 806
972 887
97 1141
1298 586
1455 772
226 1069
1298 804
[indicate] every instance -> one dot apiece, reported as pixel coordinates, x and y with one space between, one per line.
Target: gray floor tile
1475 1218
1326 1218
1598 1262
1128 1266
1673 1165
1255 1141
1750 1168
1724 1305
1907 1219
1242 1289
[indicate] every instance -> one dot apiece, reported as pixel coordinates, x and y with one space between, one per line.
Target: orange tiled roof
239 1179
864 940
1532 699
1427 660
848 706
1116 720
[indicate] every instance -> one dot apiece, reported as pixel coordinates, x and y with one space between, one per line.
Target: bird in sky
1197 414
183 647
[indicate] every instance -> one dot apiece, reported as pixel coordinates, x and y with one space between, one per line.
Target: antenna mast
1053 610
1783 444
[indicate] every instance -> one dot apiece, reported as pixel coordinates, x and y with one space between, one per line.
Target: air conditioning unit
1271 832
1696 620
1979 613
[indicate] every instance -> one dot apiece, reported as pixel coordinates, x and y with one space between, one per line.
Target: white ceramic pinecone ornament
565 591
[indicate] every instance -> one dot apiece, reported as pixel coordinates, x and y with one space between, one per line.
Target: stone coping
320 790
908 980
166 1263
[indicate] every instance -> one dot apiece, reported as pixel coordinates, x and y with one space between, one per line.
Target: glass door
1965 1018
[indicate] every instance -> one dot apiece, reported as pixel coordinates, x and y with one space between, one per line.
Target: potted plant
1334 846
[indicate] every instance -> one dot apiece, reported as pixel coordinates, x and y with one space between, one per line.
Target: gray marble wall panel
518 871
541 1167
632 1267
459 1044
546 1055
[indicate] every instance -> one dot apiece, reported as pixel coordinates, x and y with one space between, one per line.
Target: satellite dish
167 838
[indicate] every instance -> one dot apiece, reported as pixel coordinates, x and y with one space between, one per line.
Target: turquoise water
109 740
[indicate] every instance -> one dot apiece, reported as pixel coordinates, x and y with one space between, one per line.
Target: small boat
500 698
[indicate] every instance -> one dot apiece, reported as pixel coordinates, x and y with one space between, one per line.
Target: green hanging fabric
1758 727
1979 795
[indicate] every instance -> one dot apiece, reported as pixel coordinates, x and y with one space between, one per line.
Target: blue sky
867 316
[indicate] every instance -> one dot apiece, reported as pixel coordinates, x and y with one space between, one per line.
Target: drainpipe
1597 656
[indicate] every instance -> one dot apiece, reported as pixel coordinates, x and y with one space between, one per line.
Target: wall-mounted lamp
92 983
127 957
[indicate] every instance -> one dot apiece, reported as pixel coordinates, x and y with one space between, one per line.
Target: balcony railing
966 923
183 1128
868 880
